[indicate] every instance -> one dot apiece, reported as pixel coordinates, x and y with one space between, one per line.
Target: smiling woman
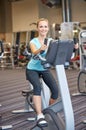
35 69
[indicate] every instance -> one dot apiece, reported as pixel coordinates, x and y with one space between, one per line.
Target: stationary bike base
22 111
79 94
84 121
28 95
5 127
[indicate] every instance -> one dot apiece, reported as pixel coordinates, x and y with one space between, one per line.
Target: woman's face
43 28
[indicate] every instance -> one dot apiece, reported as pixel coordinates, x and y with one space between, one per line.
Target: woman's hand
43 47
76 46
35 51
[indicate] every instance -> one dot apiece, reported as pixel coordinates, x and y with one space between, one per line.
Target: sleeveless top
35 64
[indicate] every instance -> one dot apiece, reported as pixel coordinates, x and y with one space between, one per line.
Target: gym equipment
82 75
52 113
82 42
81 82
5 127
56 56
5 54
28 93
1 56
68 30
19 43
1 50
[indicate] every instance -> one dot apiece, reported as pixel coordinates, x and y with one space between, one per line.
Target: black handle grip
45 42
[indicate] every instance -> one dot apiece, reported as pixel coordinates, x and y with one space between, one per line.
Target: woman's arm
35 51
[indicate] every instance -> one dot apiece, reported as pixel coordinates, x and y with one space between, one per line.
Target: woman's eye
43 26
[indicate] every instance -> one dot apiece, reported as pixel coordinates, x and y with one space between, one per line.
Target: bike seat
27 92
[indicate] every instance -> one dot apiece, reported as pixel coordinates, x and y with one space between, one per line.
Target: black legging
33 77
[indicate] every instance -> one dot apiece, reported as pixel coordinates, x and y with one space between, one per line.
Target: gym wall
78 10
26 12
20 15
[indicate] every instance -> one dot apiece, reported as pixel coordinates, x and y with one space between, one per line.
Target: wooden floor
13 81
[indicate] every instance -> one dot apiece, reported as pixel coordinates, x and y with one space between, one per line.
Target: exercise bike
82 74
56 56
81 81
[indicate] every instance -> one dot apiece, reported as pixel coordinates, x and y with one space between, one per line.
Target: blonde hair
42 19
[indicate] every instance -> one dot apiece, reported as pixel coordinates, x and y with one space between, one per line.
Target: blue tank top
35 64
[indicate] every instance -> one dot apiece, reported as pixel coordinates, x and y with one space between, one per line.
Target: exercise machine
28 93
82 74
1 56
56 56
1 50
52 113
81 82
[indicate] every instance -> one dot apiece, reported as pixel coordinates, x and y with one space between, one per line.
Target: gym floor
13 81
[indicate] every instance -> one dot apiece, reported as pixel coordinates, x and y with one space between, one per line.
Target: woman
35 69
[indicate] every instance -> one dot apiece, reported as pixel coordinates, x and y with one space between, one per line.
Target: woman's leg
37 104
33 77
51 101
51 83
